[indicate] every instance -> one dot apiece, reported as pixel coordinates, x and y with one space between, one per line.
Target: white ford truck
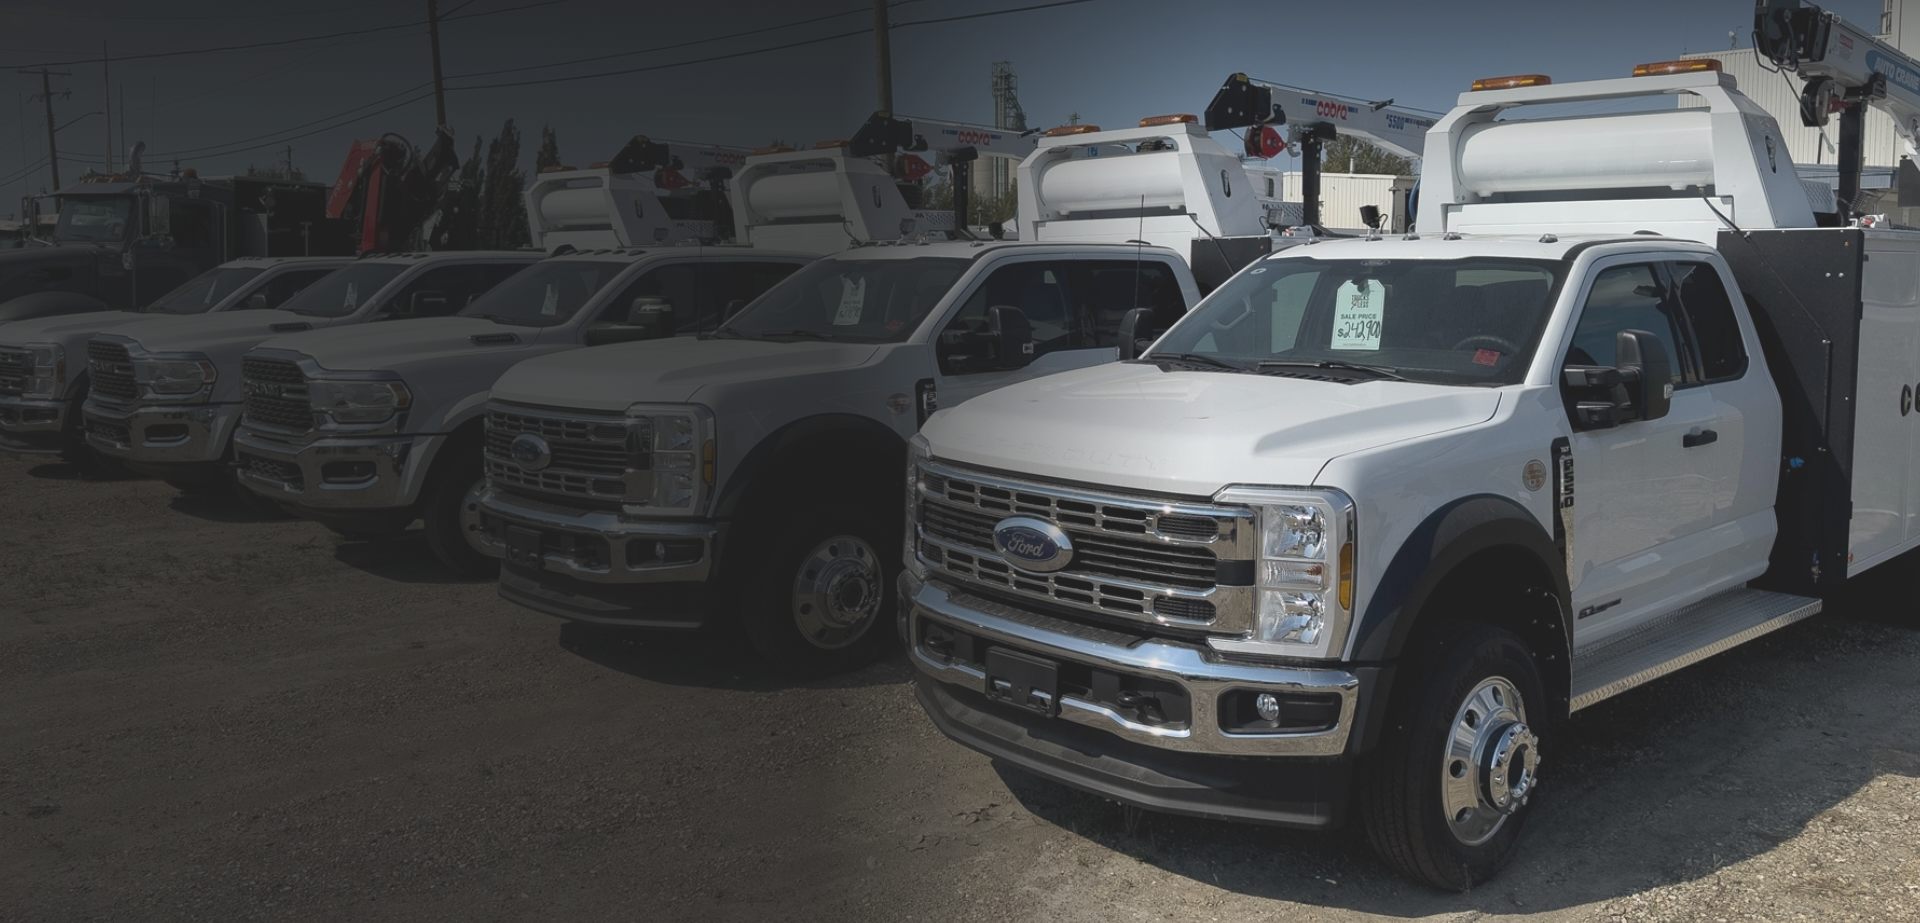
1365 527
43 380
166 395
647 484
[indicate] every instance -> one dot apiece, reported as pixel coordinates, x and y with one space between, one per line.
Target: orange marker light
1690 66
1512 82
1183 118
1065 130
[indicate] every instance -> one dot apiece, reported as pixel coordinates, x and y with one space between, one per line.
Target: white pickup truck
1362 530
41 389
755 470
166 393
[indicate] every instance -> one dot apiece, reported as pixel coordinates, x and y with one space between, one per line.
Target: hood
21 270
65 329
398 343
221 331
1134 426
669 371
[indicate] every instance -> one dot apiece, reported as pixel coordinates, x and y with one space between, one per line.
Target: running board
1683 638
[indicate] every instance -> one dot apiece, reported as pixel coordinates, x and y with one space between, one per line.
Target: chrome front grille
587 456
276 393
111 370
1168 562
16 366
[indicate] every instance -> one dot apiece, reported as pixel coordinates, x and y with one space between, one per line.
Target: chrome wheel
837 592
470 516
1488 770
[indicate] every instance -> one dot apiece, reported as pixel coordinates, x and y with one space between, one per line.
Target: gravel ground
207 715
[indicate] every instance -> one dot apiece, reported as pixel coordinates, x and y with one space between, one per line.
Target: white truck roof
1166 184
1456 246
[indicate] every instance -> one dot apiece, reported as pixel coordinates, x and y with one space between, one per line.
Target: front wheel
453 526
820 603
1446 796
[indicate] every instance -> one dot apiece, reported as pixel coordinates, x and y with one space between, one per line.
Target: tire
1430 798
820 600
451 512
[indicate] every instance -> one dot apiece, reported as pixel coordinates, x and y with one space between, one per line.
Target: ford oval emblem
530 452
1034 545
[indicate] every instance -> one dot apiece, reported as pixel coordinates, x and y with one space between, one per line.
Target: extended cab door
1074 306
1660 515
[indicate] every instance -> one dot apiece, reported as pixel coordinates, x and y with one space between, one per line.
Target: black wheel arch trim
860 432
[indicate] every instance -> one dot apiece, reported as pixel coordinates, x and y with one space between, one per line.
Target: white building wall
1779 94
1341 194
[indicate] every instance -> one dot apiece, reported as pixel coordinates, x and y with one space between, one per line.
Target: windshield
856 300
99 219
341 293
203 291
1470 321
545 294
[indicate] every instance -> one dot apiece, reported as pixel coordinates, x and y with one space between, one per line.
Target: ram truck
376 472
165 394
41 390
1359 533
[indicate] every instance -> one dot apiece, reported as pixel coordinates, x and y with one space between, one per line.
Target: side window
1104 291
1625 298
445 290
1038 289
1289 308
1716 333
678 283
287 284
742 282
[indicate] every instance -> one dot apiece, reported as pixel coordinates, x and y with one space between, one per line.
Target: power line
332 9
276 43
772 48
200 151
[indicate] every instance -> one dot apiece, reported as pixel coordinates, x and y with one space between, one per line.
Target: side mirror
648 318
1011 336
427 304
1647 373
256 301
1132 325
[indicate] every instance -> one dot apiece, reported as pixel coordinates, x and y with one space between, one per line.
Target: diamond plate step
1686 637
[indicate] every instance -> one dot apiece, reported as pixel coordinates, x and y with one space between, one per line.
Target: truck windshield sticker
550 303
1356 314
353 296
853 296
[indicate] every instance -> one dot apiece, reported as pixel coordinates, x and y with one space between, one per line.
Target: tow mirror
1133 327
257 301
1011 335
1639 387
427 304
648 318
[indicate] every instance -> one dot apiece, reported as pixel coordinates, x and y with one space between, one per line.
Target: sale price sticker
1357 311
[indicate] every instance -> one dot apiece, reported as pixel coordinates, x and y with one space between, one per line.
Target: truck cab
1362 530
166 393
40 400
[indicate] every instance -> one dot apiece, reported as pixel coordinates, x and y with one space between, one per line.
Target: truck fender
49 304
860 447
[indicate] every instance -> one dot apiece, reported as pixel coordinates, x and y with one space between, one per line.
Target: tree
1348 154
502 223
549 153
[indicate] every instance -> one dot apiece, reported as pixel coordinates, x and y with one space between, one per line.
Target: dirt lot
207 715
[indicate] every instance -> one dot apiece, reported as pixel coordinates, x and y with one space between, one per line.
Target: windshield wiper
796 334
720 334
1334 364
1199 359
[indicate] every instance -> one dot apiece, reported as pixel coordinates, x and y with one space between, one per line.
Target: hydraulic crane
1846 69
1311 118
955 145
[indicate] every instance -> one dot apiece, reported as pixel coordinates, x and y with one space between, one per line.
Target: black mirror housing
1647 373
427 304
1133 325
1011 335
256 301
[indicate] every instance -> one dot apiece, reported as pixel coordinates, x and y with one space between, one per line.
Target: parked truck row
1160 509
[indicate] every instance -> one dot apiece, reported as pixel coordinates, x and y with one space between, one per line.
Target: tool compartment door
1886 438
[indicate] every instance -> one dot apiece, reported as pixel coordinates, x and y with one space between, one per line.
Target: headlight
365 401
1305 577
174 378
918 452
670 459
48 373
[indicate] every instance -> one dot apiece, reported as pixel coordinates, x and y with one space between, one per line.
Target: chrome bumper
161 434
1193 669
32 426
605 548
368 472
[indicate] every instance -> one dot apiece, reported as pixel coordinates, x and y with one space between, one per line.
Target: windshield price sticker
353 296
1357 314
550 304
853 297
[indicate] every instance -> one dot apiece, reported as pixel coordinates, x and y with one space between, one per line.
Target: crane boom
955 145
1311 119
1846 68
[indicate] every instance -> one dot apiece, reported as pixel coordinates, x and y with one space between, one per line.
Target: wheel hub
470 527
837 592
1491 760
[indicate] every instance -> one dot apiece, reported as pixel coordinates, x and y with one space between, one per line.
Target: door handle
1699 438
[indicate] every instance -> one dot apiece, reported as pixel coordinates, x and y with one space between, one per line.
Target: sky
1109 62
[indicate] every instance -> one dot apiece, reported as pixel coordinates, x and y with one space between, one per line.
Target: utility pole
46 95
439 87
106 103
289 161
883 55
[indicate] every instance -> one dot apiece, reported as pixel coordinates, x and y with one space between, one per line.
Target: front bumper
595 566
1086 735
32 426
335 473
161 435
